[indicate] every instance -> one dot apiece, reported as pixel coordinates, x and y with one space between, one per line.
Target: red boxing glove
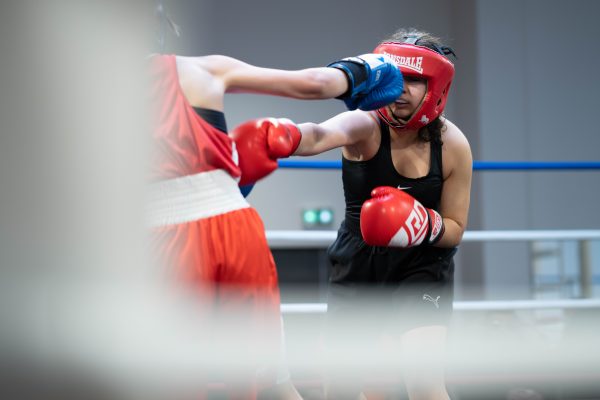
260 142
393 218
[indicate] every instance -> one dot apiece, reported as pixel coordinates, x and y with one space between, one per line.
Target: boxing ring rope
505 305
290 239
477 165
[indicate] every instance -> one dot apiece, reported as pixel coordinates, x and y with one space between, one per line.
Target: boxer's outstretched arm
367 82
346 129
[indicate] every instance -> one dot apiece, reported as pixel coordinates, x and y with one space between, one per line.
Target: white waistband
192 197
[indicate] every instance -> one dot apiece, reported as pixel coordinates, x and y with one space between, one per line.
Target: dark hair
433 130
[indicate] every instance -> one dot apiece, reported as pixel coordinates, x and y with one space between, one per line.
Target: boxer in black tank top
375 291
401 289
394 274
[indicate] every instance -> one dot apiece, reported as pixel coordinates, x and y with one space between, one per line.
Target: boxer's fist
260 142
393 218
374 81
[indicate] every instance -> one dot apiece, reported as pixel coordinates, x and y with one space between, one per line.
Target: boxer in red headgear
406 171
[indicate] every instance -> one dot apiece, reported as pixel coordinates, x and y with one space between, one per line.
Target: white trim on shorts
192 197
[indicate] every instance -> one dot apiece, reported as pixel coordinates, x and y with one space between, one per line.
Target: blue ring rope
477 165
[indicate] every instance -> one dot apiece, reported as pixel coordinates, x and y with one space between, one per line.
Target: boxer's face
411 98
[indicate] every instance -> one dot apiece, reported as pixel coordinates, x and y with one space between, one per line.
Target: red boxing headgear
424 63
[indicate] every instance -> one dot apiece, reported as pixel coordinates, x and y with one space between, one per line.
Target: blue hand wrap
373 81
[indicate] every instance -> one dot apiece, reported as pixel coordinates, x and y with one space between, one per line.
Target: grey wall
537 104
525 90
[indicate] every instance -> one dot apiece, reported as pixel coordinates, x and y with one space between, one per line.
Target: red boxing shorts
210 239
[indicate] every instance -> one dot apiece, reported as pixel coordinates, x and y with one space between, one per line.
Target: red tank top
185 144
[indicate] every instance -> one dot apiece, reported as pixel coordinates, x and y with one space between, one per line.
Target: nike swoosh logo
404 188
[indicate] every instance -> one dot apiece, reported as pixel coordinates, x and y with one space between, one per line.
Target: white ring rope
506 305
282 239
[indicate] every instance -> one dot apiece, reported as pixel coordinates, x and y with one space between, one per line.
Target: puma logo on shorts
427 297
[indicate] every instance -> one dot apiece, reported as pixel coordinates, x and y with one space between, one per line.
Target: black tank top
361 177
213 117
